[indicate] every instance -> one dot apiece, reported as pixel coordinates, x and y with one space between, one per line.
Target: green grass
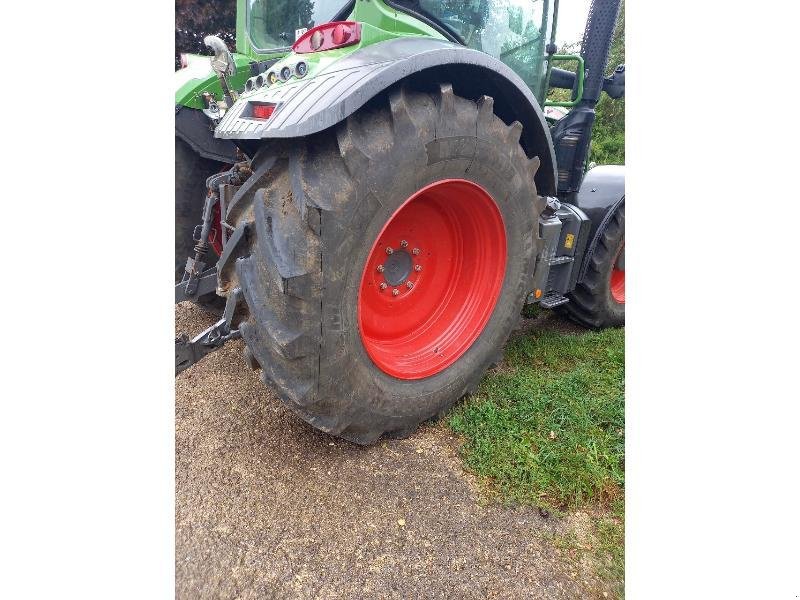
547 428
611 550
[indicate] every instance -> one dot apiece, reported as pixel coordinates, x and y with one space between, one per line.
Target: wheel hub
432 279
397 267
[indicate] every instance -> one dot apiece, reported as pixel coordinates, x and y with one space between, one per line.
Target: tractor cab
271 27
515 31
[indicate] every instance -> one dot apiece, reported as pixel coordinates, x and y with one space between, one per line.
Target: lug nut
409 284
415 251
389 250
395 292
418 268
383 286
381 268
403 243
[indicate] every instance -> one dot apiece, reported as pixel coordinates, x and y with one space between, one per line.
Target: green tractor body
379 193
259 39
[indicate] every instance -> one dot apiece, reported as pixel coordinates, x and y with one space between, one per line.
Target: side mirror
222 63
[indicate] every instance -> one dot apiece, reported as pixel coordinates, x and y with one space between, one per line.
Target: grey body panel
602 191
307 106
602 188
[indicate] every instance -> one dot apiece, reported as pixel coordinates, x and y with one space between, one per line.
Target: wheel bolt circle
381 268
418 268
409 284
415 251
403 243
383 286
395 292
389 250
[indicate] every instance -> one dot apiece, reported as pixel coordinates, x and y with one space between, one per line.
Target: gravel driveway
267 507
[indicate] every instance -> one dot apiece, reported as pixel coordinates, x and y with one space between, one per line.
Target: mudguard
191 125
194 128
307 106
602 191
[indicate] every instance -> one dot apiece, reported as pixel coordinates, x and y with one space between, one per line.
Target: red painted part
215 234
336 34
617 283
263 111
461 237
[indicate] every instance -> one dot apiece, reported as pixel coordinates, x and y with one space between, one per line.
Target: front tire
315 220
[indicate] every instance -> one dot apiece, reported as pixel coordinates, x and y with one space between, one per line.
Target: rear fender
307 106
194 128
191 82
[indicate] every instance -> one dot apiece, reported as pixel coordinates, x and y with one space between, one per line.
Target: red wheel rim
617 280
432 279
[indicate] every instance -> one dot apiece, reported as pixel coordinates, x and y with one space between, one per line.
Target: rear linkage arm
189 287
188 352
197 280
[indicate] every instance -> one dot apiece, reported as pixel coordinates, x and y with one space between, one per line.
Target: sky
571 21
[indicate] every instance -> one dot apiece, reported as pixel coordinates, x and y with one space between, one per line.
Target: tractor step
560 260
552 300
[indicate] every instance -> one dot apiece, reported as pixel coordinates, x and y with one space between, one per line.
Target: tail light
262 111
328 36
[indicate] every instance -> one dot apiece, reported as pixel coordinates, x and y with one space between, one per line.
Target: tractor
368 193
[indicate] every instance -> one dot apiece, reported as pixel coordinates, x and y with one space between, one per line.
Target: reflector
263 111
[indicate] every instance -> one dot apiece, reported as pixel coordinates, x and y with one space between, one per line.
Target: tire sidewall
614 310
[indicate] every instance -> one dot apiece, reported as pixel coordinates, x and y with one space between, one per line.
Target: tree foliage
195 19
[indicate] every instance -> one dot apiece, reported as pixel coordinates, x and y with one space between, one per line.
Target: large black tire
306 220
591 303
191 172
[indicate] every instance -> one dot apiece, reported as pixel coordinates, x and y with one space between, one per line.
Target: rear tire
307 221
596 301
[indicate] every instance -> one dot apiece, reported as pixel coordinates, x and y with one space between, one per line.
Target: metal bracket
195 267
189 352
203 284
